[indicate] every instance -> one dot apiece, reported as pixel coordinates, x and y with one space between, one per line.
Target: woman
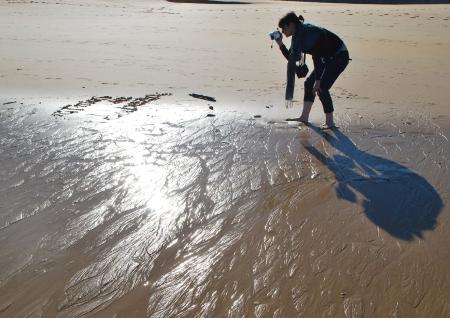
330 57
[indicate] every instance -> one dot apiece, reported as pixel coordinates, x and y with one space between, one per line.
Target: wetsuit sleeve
284 51
318 67
291 66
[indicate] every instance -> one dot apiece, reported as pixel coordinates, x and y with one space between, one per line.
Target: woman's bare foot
326 126
304 117
329 122
299 119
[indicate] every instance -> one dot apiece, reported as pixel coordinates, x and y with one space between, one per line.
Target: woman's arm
291 66
318 67
284 51
283 48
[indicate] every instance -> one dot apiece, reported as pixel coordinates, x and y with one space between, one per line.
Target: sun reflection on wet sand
166 212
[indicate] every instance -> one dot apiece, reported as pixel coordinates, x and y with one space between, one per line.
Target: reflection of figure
396 198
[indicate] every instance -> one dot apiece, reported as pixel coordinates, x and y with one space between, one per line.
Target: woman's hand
316 87
289 103
280 40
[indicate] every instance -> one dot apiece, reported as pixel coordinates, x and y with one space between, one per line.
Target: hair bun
290 17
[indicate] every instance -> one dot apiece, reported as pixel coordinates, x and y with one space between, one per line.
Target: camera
302 70
275 35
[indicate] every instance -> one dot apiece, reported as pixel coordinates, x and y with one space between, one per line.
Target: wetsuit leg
309 84
333 69
327 102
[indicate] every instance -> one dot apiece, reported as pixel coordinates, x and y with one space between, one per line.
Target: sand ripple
171 214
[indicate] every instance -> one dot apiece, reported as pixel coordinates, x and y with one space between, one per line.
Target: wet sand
123 196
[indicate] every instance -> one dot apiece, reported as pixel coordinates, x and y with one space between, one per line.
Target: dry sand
123 196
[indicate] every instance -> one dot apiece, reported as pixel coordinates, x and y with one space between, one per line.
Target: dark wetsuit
330 57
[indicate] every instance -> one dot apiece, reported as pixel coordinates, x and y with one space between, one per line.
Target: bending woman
330 57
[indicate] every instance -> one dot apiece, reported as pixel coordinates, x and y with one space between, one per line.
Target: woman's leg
304 117
309 97
327 103
331 72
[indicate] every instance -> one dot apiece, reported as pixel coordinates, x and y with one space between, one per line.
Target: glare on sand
183 214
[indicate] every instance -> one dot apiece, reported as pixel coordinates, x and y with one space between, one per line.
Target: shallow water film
164 211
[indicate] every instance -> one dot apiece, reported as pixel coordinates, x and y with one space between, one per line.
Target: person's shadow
396 198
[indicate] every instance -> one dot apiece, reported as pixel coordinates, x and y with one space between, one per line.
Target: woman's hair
290 17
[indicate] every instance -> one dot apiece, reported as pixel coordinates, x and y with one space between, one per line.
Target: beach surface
121 195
